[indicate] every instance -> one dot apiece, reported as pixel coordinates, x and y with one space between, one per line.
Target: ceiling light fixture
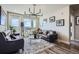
34 13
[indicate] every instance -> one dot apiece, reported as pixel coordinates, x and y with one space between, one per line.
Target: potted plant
11 28
14 31
35 34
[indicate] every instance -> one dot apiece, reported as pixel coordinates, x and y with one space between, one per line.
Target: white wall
63 31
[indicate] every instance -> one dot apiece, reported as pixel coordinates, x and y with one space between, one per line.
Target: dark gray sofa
7 47
52 37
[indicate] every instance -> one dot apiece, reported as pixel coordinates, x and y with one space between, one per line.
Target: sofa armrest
14 40
14 45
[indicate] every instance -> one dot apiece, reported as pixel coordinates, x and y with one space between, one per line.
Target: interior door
72 27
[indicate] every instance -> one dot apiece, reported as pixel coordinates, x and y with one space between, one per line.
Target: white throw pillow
51 32
7 32
8 38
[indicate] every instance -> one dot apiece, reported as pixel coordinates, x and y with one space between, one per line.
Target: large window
15 22
29 23
3 19
16 19
34 23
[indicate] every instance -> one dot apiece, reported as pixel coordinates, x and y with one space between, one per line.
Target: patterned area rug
32 46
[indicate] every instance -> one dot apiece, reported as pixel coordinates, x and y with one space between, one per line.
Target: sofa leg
21 51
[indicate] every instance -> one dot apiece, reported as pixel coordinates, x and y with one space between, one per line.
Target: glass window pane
15 22
34 23
27 23
3 20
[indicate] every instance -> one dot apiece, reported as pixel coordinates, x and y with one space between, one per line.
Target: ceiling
20 8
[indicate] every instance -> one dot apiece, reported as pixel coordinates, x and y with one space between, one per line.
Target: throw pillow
8 38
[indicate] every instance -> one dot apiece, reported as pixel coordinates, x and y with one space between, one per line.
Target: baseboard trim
74 46
63 44
66 45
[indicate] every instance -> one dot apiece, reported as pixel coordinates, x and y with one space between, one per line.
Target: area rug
33 46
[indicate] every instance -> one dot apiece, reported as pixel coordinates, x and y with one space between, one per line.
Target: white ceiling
20 8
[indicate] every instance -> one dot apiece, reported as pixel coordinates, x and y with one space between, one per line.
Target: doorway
74 27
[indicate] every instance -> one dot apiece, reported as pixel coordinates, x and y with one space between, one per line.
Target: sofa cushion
4 34
2 38
12 37
8 38
7 32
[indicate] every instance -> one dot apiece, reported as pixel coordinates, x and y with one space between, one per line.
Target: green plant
11 28
14 30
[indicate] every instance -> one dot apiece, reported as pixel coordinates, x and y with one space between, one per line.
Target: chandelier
34 13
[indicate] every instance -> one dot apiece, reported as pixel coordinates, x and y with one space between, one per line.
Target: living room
25 21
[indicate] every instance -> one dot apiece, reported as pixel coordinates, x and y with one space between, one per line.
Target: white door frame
10 15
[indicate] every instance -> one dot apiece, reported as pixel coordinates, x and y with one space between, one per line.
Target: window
34 23
15 22
3 20
27 23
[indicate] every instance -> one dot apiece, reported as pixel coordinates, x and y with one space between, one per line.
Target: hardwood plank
58 49
55 49
49 51
65 51
69 50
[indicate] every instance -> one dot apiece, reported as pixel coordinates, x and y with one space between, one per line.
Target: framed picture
52 19
77 20
60 22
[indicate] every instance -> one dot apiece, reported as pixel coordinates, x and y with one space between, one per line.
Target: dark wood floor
59 50
74 42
